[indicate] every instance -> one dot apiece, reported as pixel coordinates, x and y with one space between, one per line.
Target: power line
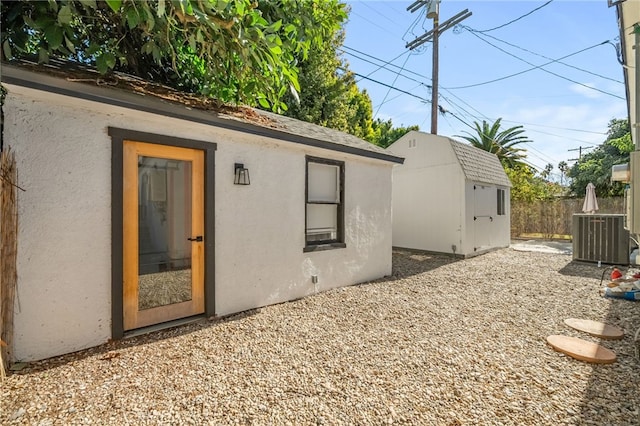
394 82
529 124
396 96
385 63
433 12
543 56
521 72
483 134
517 19
453 104
450 88
364 3
467 104
561 136
413 25
420 83
370 21
540 67
526 124
551 72
384 67
541 154
530 149
556 127
399 14
388 85
529 130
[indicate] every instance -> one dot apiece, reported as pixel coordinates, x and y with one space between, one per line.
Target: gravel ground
441 342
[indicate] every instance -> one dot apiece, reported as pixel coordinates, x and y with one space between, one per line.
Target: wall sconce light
241 175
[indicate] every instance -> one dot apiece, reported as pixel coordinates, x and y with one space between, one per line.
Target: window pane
164 224
501 206
323 183
322 221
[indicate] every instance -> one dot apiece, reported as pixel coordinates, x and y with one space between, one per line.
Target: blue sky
560 113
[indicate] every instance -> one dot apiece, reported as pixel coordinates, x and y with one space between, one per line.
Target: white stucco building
449 197
128 196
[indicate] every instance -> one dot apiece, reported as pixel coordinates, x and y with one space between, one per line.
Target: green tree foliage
330 97
328 93
529 186
500 142
240 51
595 166
385 134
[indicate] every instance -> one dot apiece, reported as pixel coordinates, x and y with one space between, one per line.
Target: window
324 204
501 205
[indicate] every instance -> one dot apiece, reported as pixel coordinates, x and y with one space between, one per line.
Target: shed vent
600 238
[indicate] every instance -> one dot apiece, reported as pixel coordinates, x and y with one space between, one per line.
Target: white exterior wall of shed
434 205
63 157
485 233
428 195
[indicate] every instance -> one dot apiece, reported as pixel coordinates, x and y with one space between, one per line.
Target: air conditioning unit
601 238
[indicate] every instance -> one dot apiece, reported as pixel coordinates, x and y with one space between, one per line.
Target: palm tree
564 168
502 143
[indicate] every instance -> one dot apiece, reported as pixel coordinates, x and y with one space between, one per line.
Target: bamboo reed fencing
554 218
8 252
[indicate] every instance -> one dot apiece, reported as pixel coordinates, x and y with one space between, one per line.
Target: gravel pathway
441 342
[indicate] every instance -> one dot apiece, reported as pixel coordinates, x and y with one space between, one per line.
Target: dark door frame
118 136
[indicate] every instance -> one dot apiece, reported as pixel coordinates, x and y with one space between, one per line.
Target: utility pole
433 12
579 149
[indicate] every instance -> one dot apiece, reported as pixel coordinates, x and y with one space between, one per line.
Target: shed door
483 216
163 235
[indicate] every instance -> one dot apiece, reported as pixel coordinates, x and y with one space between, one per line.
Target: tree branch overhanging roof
79 81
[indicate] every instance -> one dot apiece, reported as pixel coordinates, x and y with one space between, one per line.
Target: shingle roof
310 130
479 165
126 91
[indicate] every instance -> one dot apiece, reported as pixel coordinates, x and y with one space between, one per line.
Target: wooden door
163 233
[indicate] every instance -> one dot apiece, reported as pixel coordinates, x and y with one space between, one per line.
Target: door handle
198 238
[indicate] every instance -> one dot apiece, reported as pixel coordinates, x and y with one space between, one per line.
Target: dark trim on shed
118 136
12 74
340 240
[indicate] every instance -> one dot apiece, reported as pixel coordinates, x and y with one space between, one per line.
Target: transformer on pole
433 12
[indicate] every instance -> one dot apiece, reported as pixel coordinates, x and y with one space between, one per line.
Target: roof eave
40 81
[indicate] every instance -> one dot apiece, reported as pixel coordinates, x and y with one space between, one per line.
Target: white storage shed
140 212
449 197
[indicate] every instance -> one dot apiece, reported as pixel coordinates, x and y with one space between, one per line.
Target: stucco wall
64 253
428 191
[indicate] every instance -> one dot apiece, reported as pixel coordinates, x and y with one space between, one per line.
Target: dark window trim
502 208
339 241
118 136
323 246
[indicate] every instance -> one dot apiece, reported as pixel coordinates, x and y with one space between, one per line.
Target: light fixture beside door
241 175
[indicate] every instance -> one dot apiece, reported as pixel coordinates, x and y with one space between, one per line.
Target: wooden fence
554 218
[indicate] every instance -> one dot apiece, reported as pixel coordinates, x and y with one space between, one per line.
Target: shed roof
134 93
479 165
